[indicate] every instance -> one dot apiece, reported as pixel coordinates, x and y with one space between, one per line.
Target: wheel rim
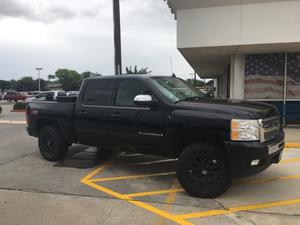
48 144
205 171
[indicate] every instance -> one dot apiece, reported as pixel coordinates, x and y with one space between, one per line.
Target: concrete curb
18 110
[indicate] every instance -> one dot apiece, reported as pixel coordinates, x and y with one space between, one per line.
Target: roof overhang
176 5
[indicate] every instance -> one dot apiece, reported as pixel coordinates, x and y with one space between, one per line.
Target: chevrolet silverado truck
214 140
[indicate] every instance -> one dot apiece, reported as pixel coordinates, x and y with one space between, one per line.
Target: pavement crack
23 156
221 204
273 213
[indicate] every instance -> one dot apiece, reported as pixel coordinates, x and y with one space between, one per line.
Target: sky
76 34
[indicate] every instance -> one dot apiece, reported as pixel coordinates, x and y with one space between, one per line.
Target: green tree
136 70
198 83
88 74
70 79
26 84
51 77
4 85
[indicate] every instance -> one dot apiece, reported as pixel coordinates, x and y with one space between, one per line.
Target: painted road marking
242 182
182 219
87 181
159 192
239 208
284 161
169 201
292 145
132 177
12 122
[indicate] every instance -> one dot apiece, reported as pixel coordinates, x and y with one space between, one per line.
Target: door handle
116 115
82 113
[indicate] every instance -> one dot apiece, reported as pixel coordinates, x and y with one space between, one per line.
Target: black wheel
51 144
202 171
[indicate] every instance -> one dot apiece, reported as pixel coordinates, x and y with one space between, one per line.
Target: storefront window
293 76
264 76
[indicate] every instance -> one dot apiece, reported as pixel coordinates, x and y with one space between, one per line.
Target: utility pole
39 74
117 37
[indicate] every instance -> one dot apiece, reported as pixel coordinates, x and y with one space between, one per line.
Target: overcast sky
78 35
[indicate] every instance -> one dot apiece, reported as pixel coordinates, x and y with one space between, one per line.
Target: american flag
293 76
264 76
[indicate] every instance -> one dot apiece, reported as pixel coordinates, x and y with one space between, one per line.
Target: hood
238 109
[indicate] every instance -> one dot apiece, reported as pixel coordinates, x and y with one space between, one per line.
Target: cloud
40 13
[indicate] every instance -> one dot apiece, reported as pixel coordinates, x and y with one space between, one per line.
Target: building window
264 76
293 76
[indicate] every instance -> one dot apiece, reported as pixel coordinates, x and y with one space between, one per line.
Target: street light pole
39 74
117 37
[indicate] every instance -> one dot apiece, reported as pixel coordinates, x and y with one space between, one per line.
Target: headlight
244 130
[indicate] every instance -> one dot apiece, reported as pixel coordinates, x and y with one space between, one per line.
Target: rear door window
98 92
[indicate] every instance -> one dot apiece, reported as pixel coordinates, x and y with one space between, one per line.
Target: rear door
93 111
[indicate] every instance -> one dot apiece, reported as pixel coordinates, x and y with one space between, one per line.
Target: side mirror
143 100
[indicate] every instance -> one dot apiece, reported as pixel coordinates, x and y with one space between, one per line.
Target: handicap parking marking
132 177
216 212
87 181
181 219
18 122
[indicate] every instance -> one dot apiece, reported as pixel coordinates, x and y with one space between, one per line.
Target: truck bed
59 112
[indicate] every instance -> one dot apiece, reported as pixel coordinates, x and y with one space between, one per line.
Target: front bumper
241 154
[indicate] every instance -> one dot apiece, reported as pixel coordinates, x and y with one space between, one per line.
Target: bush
19 106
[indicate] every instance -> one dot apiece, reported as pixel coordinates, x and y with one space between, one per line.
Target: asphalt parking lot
131 188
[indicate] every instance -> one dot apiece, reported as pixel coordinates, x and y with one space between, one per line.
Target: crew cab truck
215 140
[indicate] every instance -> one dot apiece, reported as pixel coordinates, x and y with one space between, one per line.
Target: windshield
176 89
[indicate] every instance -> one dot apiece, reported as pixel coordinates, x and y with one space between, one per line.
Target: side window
98 92
128 89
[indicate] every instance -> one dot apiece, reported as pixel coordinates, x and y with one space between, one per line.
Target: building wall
235 25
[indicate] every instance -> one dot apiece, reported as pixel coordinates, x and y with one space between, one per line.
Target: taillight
27 116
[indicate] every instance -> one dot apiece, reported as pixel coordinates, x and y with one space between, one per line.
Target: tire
203 172
51 144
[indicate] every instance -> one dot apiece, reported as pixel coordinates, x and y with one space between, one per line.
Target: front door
143 128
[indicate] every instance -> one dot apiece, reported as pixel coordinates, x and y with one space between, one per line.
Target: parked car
72 93
215 140
14 96
46 96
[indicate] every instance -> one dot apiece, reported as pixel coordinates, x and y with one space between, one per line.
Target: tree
199 83
88 74
51 77
70 79
4 85
137 71
25 84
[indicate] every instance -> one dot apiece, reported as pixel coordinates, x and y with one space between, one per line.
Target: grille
270 128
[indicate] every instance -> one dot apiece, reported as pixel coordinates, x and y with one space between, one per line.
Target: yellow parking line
238 209
12 122
169 200
132 177
289 160
292 145
267 180
176 190
160 192
88 181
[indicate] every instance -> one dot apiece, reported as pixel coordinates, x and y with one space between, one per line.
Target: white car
46 96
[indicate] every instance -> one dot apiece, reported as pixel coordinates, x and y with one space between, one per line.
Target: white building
249 46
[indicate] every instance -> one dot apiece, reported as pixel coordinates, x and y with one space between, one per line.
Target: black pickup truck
215 140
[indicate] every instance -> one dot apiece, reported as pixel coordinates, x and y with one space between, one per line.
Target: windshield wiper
188 98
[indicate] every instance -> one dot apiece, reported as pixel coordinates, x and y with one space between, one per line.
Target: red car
14 96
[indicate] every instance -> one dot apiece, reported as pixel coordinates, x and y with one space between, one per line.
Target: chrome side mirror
144 100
